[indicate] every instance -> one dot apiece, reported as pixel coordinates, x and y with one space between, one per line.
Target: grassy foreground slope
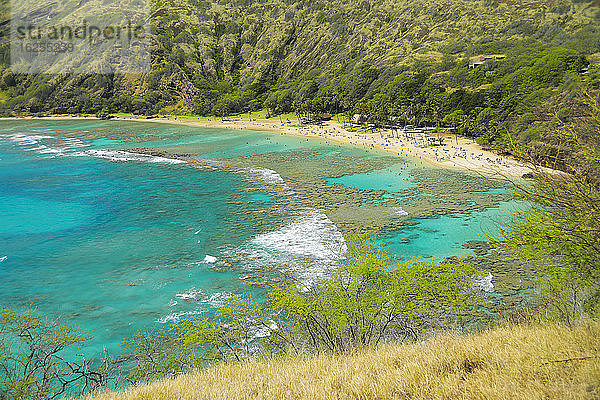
514 362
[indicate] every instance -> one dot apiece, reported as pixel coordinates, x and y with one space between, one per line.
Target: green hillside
519 77
485 68
212 57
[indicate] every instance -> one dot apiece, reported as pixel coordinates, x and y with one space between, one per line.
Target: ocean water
434 239
115 241
392 179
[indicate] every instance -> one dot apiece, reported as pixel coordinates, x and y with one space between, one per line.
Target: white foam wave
61 147
192 294
218 299
124 156
266 175
26 140
176 316
485 283
310 246
262 175
66 146
215 300
309 235
208 259
399 211
46 150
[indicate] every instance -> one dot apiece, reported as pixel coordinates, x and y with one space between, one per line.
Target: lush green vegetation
393 62
39 360
561 234
407 61
366 302
369 301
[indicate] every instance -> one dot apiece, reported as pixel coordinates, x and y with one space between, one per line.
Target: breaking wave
125 156
309 245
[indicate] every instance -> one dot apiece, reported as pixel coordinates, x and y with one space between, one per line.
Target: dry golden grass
515 362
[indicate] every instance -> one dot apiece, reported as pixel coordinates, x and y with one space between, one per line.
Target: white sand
464 154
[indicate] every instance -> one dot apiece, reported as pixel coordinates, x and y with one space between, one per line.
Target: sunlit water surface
114 243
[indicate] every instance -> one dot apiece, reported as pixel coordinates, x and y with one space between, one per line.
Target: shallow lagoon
115 241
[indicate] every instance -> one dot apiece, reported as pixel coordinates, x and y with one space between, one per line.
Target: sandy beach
460 153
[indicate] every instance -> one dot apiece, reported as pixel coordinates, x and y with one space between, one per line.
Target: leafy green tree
369 300
35 363
561 233
457 119
232 333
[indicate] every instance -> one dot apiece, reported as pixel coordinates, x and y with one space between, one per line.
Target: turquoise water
436 238
110 246
115 242
433 238
392 179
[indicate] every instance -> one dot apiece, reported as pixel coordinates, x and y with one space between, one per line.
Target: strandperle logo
77 37
91 33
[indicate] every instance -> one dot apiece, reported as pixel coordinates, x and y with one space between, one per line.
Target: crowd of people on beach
418 144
